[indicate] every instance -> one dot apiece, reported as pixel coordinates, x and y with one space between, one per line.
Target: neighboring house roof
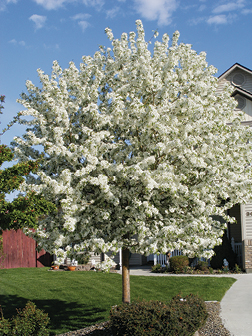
240 78
234 66
242 92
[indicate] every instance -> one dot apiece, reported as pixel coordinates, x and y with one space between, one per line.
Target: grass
74 300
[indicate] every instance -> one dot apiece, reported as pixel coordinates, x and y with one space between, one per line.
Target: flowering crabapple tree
136 151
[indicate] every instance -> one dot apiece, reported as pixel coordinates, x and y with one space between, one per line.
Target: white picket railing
162 259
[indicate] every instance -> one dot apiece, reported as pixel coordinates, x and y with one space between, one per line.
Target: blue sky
36 32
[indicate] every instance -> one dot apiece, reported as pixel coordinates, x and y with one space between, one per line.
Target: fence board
20 251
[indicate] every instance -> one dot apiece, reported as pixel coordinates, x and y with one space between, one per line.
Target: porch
162 258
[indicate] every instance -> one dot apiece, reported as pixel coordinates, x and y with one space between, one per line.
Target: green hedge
29 321
178 263
180 317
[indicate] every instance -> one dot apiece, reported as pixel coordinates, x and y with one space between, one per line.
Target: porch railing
162 259
237 248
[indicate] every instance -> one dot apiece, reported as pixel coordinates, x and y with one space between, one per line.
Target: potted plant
54 266
73 265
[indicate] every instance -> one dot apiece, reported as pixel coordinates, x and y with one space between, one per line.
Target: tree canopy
138 150
24 210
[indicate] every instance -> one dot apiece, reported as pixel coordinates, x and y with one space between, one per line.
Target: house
240 234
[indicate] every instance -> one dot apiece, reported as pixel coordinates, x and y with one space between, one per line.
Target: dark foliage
178 263
29 321
223 251
180 317
202 266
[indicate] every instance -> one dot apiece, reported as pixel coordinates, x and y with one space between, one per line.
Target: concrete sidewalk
236 305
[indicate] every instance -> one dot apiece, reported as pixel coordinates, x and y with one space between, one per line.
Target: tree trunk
125 276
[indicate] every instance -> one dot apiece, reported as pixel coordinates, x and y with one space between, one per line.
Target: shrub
211 271
159 269
177 263
188 314
156 268
237 269
182 316
5 326
82 258
29 321
202 266
188 270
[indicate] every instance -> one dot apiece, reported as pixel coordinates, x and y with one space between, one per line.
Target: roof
234 66
242 92
237 88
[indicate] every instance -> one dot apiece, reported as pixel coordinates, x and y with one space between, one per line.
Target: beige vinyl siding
95 257
115 258
221 85
248 79
219 90
135 259
247 215
247 110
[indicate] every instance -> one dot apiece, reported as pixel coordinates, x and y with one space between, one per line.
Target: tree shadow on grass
64 316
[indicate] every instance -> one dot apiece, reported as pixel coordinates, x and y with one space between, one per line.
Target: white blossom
135 144
105 265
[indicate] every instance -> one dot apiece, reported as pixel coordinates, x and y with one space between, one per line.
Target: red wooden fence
20 251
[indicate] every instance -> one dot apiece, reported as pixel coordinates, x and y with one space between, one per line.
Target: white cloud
39 20
111 13
81 16
94 3
55 4
15 42
247 11
160 10
217 19
202 7
55 46
188 7
230 6
83 25
221 19
196 21
82 20
4 3
51 4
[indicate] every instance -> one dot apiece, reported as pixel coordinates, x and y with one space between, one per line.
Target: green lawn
74 300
